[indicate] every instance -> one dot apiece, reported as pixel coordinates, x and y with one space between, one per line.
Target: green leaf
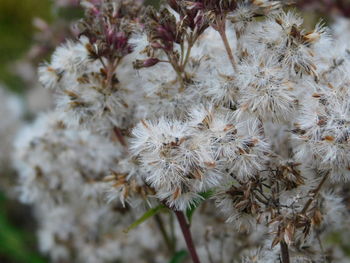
14 240
203 196
179 256
151 212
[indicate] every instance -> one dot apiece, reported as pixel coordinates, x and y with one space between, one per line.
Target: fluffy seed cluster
183 159
162 109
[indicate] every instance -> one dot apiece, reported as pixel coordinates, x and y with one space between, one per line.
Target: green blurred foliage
155 3
179 257
17 229
17 242
16 32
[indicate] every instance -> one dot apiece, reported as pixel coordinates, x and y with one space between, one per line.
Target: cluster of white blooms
229 99
182 159
93 233
54 161
322 127
61 172
80 94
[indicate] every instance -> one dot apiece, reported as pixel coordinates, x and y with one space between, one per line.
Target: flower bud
145 63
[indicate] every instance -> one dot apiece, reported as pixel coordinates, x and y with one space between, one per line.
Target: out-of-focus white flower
54 160
11 111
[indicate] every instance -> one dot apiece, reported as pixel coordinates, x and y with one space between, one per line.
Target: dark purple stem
187 235
284 252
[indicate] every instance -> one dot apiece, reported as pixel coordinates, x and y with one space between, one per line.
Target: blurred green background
17 228
16 32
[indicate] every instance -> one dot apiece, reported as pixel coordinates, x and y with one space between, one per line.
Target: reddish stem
284 252
187 235
221 28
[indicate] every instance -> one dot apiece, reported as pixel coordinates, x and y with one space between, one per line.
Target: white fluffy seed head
266 91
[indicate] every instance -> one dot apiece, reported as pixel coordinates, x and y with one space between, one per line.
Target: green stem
172 230
164 233
189 48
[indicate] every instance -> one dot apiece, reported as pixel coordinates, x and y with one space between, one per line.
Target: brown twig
314 193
